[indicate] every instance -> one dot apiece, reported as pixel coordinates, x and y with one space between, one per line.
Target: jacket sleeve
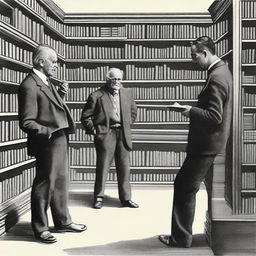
87 115
133 110
212 114
28 111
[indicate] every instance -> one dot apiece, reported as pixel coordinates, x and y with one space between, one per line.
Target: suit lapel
46 90
106 102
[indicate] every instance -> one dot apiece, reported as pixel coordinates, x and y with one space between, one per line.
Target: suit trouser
50 186
186 185
108 147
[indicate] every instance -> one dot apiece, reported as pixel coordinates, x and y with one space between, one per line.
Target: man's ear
41 63
205 53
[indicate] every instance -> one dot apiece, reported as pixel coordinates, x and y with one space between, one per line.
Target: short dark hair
204 42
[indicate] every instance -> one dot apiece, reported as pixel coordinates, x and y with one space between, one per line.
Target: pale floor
113 230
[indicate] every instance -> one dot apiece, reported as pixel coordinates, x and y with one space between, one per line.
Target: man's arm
28 111
213 113
87 115
133 110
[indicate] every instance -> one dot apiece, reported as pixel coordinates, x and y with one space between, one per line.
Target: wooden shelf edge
17 165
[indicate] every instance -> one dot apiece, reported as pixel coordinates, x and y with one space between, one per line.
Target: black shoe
98 203
46 237
129 203
167 240
72 228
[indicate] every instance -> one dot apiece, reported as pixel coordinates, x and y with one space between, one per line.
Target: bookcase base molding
11 210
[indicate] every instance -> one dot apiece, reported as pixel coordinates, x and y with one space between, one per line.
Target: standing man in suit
46 119
209 129
108 115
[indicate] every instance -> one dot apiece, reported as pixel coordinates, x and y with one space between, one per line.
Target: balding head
42 52
45 60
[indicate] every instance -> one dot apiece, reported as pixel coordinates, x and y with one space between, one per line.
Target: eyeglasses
114 79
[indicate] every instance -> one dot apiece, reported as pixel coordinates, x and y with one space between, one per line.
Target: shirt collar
42 76
215 62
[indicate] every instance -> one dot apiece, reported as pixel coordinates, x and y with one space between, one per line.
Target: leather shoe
129 203
72 228
98 203
46 237
168 240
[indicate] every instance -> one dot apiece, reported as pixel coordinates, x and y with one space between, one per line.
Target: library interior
154 52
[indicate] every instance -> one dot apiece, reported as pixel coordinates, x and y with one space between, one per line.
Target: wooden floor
113 230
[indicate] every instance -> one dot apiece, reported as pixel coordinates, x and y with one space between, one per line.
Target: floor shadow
20 232
147 246
86 199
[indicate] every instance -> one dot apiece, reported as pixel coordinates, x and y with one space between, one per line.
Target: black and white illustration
127 127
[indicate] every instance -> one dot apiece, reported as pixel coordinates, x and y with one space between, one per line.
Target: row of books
164 92
149 31
8 102
5 18
249 135
248 33
15 185
248 99
13 156
10 75
156 92
59 46
57 25
86 156
159 115
129 51
94 31
27 26
248 9
132 51
130 30
145 115
248 205
248 78
94 52
162 72
80 135
249 153
9 130
13 51
78 175
248 56
135 72
249 180
36 6
249 121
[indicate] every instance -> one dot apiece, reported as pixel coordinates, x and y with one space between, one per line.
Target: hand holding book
177 107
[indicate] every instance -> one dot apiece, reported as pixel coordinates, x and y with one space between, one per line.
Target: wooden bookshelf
153 50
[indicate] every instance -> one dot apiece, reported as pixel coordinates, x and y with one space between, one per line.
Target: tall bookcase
231 217
153 50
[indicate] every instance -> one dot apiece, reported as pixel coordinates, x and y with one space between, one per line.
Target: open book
174 107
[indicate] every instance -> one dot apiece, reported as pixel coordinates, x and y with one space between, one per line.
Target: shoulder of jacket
97 93
28 81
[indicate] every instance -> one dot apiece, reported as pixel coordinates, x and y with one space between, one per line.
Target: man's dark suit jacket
40 113
96 113
210 119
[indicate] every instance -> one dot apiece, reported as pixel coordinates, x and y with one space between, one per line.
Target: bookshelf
231 204
153 50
